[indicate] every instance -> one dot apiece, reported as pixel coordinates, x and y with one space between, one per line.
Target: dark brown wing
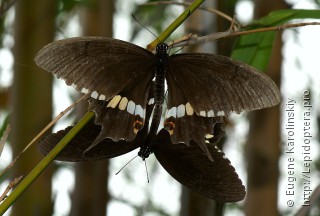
182 122
112 71
215 179
96 65
91 142
74 151
216 85
124 115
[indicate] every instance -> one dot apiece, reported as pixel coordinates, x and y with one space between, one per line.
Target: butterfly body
161 58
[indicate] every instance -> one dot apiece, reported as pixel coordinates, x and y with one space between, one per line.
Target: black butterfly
200 86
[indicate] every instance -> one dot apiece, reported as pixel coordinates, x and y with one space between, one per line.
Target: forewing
217 85
215 179
99 66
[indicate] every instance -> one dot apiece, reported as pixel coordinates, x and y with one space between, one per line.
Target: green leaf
282 16
255 49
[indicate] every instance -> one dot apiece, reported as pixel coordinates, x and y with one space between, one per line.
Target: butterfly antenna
145 27
126 164
145 164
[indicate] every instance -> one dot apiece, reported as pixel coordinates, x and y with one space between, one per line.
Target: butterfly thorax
161 59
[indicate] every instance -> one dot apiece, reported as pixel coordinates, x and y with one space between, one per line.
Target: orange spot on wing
169 126
137 125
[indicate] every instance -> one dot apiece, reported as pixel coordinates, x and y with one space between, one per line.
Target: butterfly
201 86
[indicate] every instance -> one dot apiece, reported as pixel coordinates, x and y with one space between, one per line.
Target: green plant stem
26 182
175 24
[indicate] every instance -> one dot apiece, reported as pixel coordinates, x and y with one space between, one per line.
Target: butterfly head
162 48
144 152
147 147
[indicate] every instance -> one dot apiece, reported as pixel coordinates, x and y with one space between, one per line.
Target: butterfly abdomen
161 59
